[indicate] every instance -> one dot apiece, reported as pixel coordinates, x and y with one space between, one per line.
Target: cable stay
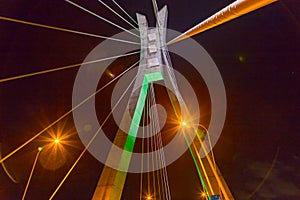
66 114
123 10
155 185
159 146
93 138
65 67
64 30
232 11
31 172
112 10
102 18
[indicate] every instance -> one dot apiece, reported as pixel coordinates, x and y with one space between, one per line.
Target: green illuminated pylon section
129 144
148 78
131 138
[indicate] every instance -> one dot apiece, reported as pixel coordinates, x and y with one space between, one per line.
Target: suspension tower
155 66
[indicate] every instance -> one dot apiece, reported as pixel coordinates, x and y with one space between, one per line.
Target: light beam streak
102 18
65 67
64 115
63 29
91 141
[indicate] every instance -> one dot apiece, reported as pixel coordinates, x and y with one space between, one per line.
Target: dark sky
263 96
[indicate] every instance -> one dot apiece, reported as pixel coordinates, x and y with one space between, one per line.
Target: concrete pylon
155 65
111 182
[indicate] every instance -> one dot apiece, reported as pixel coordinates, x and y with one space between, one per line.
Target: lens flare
183 123
56 146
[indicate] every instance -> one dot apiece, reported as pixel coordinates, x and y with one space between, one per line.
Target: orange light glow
148 197
204 195
59 135
56 146
186 123
183 123
109 73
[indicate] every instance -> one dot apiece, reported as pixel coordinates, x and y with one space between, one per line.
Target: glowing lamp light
203 194
56 141
183 123
148 197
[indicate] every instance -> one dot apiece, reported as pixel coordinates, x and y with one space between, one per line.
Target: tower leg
111 182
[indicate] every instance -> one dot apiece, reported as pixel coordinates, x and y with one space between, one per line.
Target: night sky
257 56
